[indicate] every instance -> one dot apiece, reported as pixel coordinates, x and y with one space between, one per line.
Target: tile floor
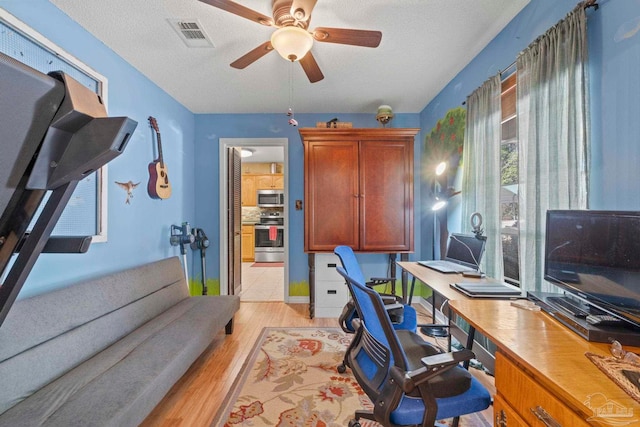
262 283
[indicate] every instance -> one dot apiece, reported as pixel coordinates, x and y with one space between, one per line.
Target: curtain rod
513 64
585 4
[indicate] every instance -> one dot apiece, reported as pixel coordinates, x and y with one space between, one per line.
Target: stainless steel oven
269 240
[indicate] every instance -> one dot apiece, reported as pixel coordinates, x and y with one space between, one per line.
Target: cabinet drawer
326 268
331 293
504 415
525 395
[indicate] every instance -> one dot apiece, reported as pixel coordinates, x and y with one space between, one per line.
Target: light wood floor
196 398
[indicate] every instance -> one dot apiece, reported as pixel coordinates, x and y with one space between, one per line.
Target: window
509 180
85 214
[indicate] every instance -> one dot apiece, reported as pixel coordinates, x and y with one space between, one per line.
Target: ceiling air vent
191 32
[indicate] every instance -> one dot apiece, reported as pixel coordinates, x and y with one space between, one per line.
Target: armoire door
332 195
386 195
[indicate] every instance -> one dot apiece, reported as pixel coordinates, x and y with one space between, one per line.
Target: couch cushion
47 335
123 383
43 317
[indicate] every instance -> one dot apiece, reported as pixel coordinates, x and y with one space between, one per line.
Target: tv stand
626 334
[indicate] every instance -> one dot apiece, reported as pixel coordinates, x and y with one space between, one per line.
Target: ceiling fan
292 39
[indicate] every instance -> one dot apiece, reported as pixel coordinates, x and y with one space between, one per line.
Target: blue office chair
403 316
409 381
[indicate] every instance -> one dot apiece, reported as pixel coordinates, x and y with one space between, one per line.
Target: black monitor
595 255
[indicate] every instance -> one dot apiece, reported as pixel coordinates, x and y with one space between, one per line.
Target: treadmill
53 133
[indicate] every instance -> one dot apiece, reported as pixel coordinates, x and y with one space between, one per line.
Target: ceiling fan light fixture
292 43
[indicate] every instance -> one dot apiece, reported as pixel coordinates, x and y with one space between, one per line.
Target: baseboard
298 300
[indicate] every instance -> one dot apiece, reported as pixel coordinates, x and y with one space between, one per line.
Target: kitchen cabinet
248 190
358 187
248 243
269 182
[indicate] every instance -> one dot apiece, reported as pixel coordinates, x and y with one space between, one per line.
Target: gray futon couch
106 351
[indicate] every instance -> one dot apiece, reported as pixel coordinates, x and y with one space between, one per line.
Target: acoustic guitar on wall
159 186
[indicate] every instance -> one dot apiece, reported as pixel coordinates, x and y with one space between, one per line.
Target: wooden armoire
358 189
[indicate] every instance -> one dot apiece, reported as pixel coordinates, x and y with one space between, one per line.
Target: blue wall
139 232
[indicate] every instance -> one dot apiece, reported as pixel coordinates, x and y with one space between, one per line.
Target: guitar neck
160 158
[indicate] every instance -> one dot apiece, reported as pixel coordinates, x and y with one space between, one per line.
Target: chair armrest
444 359
375 281
393 306
388 299
382 279
433 366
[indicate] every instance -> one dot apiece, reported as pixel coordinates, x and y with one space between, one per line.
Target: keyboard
444 266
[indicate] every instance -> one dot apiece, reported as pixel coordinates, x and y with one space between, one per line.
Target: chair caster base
354 423
342 368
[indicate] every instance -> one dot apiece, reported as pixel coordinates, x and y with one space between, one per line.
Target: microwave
270 198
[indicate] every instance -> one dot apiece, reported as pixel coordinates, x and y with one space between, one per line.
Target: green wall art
445 140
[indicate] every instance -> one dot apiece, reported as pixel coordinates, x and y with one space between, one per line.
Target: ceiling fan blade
252 56
301 9
240 10
364 38
311 68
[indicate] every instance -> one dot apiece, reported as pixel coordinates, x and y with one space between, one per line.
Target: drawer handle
544 416
501 419
332 292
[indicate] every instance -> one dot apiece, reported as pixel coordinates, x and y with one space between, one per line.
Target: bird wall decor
128 187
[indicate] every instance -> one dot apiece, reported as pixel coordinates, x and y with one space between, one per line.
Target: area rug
290 378
267 264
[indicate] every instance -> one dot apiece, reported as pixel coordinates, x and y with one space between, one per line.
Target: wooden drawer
524 395
504 415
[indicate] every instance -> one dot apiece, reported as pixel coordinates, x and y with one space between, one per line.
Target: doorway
261 281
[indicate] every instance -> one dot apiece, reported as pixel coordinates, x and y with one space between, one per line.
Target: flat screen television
595 255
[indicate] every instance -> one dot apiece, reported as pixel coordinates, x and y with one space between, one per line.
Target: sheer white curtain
481 169
553 135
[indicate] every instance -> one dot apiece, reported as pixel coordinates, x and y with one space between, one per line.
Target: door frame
250 142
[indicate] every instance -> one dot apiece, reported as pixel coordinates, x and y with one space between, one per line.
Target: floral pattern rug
291 379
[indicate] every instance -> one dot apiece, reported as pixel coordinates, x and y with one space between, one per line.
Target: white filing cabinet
331 292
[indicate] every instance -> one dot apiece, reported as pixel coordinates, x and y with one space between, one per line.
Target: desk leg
413 286
404 280
469 346
393 274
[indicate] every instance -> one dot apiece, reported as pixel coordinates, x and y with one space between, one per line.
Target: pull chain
290 114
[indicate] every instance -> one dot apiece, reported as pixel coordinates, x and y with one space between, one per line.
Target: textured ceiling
424 44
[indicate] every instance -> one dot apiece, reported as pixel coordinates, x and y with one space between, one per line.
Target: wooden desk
540 362
440 285
437 281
